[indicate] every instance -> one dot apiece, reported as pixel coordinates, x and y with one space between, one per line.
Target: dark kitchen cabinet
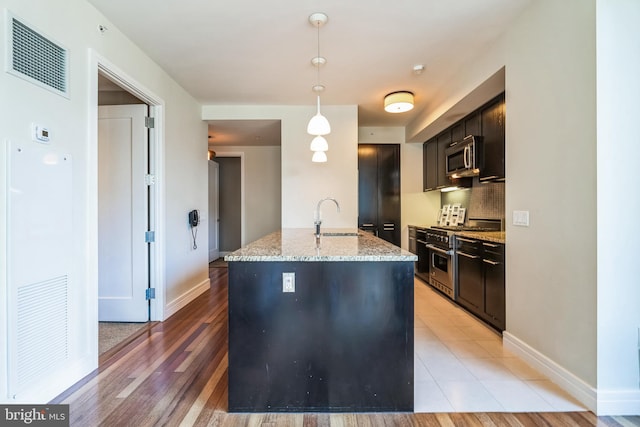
457 132
494 299
444 140
412 240
493 137
481 280
430 165
472 124
379 190
434 166
488 122
470 275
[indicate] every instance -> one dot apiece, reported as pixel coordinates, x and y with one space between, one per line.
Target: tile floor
461 366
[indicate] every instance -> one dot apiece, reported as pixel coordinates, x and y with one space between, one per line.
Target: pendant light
318 125
319 157
319 144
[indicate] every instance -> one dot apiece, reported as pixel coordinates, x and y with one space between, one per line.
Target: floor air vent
36 58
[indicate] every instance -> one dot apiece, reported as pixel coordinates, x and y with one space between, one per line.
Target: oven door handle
433 248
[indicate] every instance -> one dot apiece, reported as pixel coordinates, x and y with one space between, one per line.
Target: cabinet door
470 281
457 132
367 186
444 140
472 124
493 131
494 306
430 164
389 193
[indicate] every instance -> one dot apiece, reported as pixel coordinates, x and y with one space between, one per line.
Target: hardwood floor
175 374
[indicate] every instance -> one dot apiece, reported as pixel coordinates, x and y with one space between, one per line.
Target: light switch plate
521 218
288 282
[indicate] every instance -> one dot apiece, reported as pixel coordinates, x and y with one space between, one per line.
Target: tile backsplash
482 201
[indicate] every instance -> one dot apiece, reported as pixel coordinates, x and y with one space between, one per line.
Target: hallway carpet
111 334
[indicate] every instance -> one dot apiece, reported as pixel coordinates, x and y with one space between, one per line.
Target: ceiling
254 52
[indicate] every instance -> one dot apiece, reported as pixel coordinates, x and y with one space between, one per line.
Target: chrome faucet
318 221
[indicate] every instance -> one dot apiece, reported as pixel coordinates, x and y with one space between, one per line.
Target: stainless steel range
440 245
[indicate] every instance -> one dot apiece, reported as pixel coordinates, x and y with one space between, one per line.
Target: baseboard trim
184 299
618 402
573 385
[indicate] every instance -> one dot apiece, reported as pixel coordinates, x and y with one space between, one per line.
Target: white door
122 214
214 220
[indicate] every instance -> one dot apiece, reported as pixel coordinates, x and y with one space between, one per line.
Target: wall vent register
37 59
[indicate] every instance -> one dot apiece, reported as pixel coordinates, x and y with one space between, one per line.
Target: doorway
123 266
214 210
121 89
230 204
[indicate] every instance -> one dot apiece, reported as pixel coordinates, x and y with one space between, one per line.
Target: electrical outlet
288 282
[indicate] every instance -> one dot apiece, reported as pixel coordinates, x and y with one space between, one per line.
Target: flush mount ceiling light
318 125
398 102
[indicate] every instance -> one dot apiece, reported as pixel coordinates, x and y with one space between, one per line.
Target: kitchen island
320 324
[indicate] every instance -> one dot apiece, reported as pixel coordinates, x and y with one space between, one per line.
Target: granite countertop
490 236
299 244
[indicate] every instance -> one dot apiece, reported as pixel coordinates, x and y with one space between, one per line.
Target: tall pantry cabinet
379 190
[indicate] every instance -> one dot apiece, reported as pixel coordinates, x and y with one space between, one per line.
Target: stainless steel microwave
462 157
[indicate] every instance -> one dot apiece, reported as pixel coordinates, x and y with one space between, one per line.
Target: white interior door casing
123 264
214 220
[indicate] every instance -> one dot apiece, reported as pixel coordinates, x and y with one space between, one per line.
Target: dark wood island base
342 342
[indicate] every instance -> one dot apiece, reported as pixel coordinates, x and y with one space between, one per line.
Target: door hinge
149 122
150 293
149 236
149 179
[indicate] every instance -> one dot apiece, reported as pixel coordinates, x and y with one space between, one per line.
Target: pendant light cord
318 57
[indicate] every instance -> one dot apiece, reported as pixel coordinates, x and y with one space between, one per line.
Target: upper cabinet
444 141
472 124
434 166
493 120
487 121
430 165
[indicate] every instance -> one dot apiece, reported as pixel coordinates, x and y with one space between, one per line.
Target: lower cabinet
481 280
470 274
494 301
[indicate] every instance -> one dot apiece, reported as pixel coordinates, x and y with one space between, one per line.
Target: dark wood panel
379 190
430 165
304 351
367 186
444 140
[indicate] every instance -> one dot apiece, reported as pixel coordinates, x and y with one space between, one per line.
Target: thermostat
40 133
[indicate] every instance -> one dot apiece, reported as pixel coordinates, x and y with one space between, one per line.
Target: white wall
304 183
262 186
551 172
571 292
416 206
184 167
618 314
